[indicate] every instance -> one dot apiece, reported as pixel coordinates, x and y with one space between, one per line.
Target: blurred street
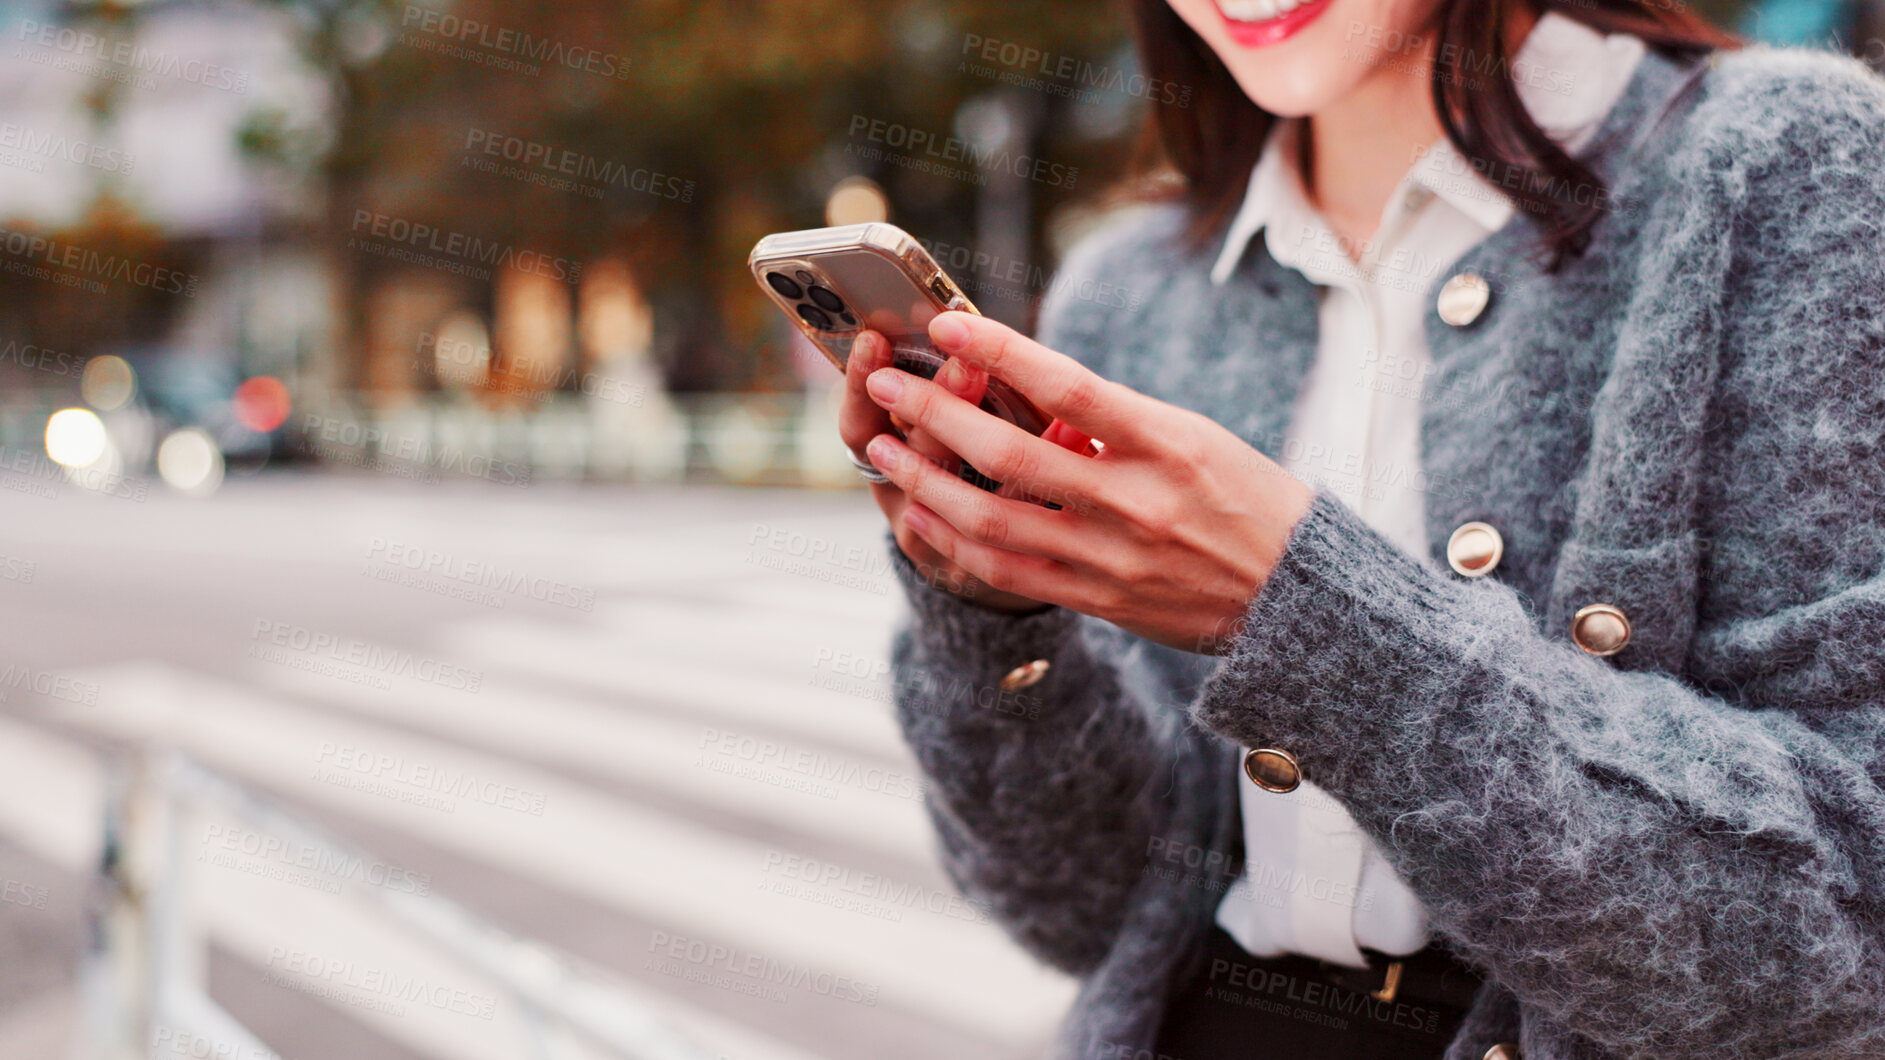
620 721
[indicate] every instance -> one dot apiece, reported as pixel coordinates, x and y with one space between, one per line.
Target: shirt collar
1568 77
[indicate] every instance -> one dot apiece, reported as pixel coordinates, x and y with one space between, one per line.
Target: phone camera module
783 284
827 299
815 316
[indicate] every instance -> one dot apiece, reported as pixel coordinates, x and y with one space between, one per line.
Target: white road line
863 802
938 963
517 649
51 801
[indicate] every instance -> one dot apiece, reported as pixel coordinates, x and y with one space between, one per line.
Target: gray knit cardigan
1676 851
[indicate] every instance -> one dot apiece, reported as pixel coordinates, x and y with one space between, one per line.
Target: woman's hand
860 420
1168 532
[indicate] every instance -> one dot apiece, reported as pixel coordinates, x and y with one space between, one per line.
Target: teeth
1255 10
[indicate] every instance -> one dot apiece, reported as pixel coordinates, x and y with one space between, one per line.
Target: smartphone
833 283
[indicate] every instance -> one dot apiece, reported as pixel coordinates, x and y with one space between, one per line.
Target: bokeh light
262 403
75 437
189 462
108 383
856 201
461 351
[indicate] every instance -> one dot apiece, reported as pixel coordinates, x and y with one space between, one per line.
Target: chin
1291 61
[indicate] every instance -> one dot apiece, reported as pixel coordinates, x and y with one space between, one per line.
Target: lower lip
1275 30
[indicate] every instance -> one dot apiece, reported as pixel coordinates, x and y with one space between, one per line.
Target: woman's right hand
860 419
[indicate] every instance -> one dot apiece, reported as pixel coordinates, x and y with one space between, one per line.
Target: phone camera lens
815 316
848 318
806 277
783 284
826 299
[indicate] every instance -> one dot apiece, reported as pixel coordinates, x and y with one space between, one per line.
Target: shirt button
1502 1051
1272 770
1474 549
1025 675
1463 298
1600 629
1415 198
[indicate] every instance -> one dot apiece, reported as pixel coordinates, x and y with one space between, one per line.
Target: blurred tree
704 125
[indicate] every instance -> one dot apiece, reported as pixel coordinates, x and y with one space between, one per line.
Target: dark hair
1214 142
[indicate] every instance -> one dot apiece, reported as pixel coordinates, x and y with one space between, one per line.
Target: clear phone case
833 283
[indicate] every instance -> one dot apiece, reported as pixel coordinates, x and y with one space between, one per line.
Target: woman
1538 711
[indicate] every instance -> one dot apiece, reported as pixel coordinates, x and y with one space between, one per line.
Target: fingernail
914 518
881 454
949 332
885 384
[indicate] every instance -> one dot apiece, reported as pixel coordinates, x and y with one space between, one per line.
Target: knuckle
1017 464
988 524
1083 395
998 575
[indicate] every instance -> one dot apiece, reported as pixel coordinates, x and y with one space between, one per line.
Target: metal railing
143 976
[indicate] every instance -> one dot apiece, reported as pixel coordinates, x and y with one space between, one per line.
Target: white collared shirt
1314 883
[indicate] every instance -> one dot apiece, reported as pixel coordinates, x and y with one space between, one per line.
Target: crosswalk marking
704 885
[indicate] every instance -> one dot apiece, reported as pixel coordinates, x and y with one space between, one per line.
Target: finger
997 448
993 520
859 418
1056 383
1035 577
964 380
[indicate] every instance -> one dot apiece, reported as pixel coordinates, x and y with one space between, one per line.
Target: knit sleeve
1676 865
1047 797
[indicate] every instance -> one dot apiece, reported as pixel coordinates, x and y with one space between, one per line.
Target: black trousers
1300 1008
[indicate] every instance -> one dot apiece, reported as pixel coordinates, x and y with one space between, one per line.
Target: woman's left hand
1169 532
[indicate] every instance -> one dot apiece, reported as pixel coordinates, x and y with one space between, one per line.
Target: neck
1357 149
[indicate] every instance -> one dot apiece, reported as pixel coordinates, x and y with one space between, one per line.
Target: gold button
1463 298
1474 549
1600 629
1025 675
1272 770
1502 1051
